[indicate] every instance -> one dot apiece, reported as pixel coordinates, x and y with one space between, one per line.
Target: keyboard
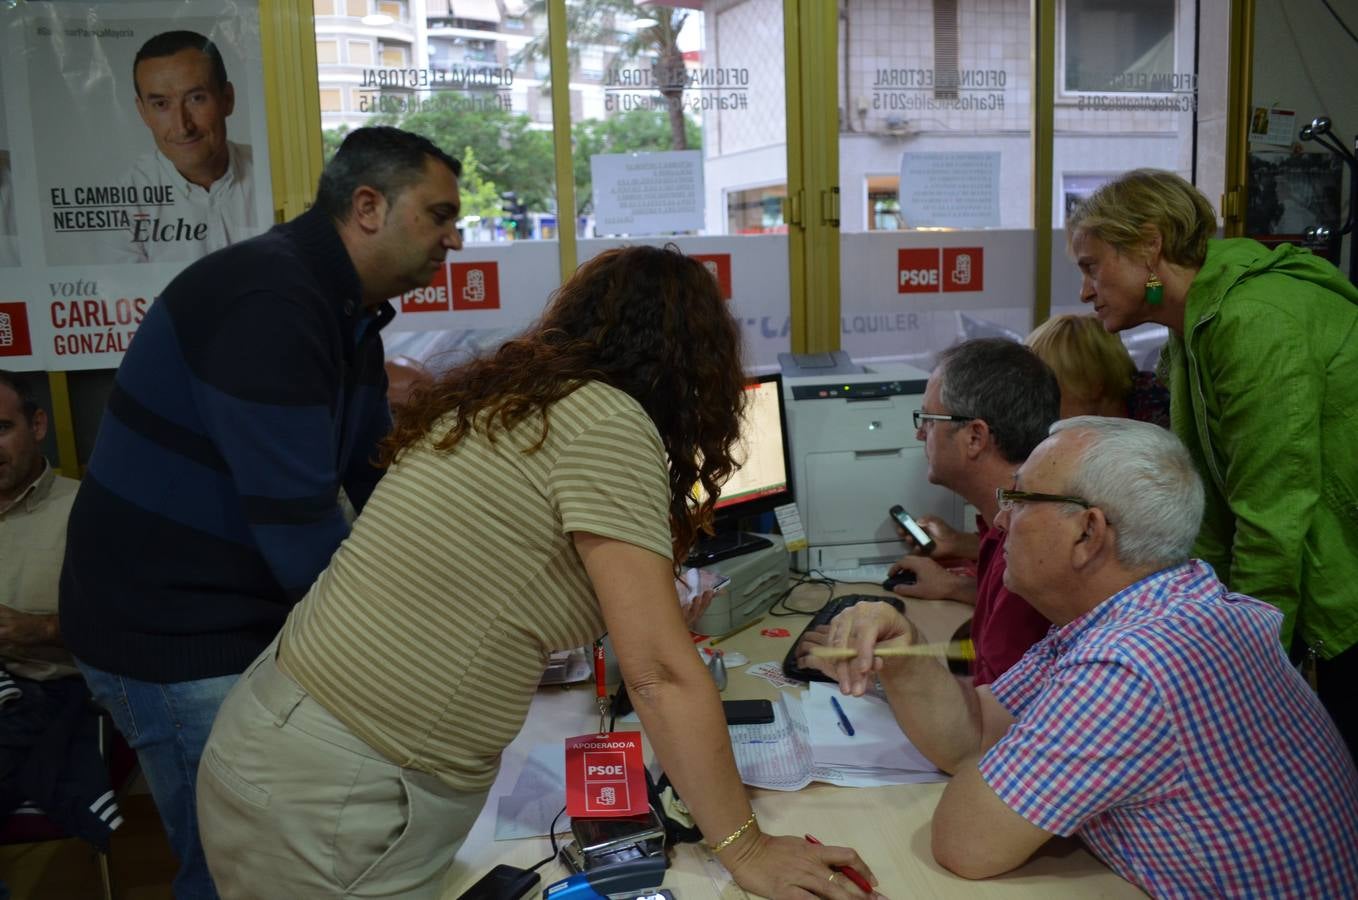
823 617
866 574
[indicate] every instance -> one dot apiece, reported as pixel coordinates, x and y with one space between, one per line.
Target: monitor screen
763 480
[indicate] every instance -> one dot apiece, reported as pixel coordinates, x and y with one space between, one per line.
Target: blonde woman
1096 373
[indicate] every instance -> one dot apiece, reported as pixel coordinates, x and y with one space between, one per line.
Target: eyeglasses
921 417
1006 498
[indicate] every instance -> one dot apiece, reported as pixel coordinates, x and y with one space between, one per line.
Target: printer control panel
855 390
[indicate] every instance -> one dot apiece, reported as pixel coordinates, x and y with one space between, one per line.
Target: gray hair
1007 386
1144 480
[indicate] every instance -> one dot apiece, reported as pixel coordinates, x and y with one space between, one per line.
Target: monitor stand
724 546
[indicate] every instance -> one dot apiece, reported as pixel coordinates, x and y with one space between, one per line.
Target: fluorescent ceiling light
377 19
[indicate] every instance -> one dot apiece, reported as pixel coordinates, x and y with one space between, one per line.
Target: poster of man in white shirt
133 116
184 99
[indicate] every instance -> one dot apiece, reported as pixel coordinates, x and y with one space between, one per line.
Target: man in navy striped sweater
251 395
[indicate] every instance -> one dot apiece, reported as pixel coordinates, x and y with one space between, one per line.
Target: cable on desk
814 576
551 835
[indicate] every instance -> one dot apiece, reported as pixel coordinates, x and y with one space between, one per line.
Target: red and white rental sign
605 775
930 270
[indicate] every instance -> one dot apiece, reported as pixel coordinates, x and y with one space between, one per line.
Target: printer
854 455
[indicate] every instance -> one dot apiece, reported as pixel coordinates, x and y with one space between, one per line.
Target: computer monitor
763 480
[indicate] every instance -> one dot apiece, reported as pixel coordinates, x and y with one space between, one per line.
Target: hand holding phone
693 583
923 542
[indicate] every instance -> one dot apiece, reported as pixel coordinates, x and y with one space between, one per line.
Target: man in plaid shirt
1159 719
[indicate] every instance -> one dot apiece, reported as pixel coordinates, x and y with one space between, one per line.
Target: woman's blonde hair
1122 213
1090 364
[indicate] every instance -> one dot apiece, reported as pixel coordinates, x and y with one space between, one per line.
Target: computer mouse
906 577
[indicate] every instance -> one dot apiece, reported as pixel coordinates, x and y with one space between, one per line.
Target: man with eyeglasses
987 404
1160 720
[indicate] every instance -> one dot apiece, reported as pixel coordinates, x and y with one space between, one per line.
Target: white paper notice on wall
950 190
647 193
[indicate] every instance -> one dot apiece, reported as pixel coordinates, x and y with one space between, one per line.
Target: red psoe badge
605 775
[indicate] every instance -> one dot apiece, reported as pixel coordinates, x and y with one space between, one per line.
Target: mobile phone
914 529
693 582
502 883
747 712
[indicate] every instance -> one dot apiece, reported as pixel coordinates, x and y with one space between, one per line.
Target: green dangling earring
1155 290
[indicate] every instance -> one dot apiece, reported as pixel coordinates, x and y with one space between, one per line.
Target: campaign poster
145 149
9 227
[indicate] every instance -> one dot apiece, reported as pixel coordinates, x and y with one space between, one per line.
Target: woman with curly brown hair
536 497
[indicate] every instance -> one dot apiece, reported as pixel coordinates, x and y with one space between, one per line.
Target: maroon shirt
1004 625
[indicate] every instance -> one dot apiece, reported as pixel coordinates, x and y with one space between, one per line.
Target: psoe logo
14 336
719 264
963 268
475 285
434 297
917 271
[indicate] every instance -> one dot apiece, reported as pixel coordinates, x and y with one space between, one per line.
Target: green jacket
1264 392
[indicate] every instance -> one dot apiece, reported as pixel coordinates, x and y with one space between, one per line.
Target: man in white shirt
196 190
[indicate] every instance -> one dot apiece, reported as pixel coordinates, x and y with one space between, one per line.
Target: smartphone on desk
747 712
502 883
913 528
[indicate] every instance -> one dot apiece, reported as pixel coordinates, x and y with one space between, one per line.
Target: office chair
30 825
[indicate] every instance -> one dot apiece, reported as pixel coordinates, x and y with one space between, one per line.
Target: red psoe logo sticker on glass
605 775
475 285
917 271
437 297
14 336
719 264
963 268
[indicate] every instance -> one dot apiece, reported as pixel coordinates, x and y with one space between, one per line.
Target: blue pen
843 719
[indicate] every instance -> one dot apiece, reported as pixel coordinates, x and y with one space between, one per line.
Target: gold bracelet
733 836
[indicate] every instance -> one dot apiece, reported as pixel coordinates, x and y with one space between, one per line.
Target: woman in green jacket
1262 365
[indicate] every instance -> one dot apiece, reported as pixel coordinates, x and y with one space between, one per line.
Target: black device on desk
760 484
823 617
502 883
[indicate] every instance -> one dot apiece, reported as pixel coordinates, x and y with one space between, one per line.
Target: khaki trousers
291 804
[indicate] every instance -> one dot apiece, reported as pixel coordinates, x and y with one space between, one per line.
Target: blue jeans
168 725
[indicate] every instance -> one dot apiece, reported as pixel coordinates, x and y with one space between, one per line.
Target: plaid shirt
1167 728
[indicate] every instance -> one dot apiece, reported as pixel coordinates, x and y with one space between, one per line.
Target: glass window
934 153
327 52
323 7
356 8
450 72
395 55
680 133
1128 96
756 210
1113 45
330 99
360 53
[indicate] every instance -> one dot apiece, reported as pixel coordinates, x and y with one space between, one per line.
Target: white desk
888 826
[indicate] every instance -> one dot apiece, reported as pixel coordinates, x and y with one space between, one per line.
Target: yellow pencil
964 650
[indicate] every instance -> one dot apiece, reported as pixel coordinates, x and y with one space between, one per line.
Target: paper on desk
779 756
538 795
877 741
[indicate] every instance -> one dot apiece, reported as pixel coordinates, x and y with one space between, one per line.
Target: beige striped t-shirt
428 632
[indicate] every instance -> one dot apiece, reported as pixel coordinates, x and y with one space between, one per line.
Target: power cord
551 835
